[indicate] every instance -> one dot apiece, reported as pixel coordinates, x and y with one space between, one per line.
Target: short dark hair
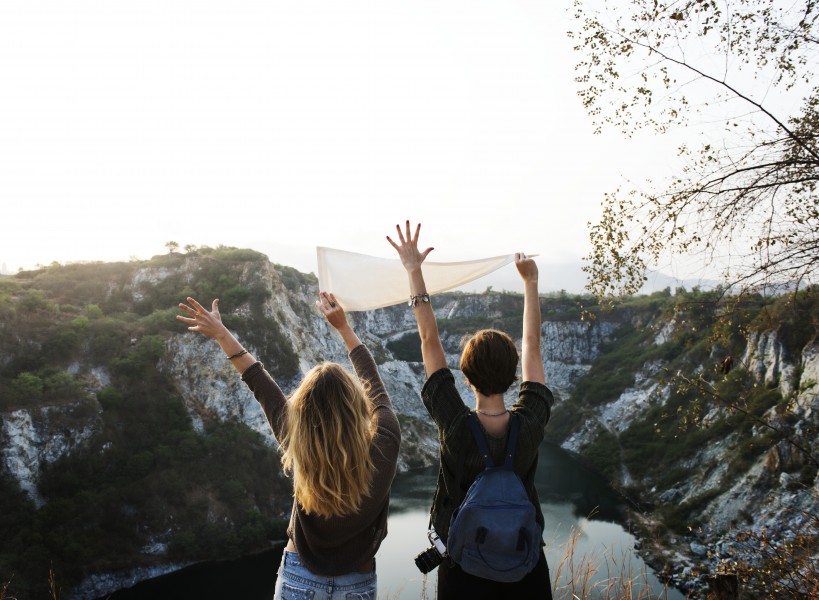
490 361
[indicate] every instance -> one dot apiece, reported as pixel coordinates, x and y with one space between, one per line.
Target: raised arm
432 351
531 359
264 387
363 362
332 311
209 323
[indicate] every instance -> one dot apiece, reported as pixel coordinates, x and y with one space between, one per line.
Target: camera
432 556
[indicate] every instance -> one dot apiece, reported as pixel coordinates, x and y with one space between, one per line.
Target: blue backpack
494 533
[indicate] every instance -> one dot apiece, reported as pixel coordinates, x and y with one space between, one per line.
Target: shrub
604 454
407 348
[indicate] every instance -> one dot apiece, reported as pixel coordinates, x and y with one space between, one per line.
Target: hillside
129 446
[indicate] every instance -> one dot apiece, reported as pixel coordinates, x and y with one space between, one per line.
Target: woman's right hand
407 249
527 267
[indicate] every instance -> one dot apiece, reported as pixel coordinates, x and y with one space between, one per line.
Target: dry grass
52 588
397 595
575 578
4 591
52 584
582 578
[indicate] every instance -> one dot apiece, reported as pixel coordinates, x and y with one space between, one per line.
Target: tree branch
724 84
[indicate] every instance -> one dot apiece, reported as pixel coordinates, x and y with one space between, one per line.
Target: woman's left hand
332 311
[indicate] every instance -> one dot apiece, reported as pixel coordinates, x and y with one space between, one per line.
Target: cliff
114 416
707 417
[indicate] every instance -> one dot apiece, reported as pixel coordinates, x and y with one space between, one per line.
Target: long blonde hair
327 444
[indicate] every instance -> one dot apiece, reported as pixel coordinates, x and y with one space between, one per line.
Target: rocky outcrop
209 385
768 494
771 499
213 392
33 437
768 361
617 416
103 583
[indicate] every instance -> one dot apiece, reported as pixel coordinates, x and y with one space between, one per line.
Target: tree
742 75
745 200
172 246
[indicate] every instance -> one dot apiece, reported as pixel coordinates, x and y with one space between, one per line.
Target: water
569 495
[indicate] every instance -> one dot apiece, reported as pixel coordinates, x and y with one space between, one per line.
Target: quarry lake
577 505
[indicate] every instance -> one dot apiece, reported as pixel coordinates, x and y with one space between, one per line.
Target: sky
282 126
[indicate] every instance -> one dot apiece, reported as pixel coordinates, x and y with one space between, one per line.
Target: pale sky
281 126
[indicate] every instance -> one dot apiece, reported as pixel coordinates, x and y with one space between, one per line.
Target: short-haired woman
339 438
489 361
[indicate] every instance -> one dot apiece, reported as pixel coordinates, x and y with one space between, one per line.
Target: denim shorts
295 582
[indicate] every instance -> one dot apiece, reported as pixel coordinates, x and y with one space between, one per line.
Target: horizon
554 277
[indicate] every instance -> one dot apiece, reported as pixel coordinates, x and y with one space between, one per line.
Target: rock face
783 460
212 390
31 438
212 393
569 348
209 385
617 416
770 496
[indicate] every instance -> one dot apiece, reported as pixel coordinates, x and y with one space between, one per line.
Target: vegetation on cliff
144 474
83 343
723 391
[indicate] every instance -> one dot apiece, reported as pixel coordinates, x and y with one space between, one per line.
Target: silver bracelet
241 352
413 301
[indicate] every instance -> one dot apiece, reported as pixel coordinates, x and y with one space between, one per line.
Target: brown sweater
339 545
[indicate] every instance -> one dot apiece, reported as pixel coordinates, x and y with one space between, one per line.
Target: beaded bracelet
413 301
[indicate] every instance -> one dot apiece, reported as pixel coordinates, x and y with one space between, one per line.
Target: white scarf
362 282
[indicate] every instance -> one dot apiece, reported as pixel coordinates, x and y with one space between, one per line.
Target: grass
579 577
52 588
575 578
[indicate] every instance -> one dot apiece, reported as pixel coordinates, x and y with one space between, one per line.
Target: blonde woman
339 438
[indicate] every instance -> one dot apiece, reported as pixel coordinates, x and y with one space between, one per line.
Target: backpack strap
483 447
512 442
480 439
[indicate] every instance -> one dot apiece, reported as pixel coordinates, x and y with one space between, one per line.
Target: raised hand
201 320
407 247
332 311
527 267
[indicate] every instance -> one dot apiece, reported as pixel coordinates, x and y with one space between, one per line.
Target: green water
569 495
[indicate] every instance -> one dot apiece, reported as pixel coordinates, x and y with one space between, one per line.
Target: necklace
497 414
